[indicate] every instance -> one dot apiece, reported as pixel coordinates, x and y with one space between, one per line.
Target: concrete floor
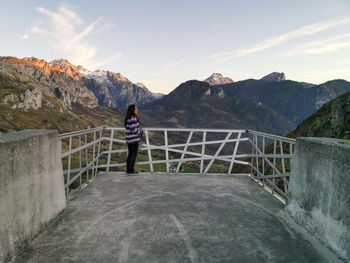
161 218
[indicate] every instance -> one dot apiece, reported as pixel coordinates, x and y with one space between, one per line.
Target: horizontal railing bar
198 143
182 173
76 133
272 176
271 136
170 161
115 140
80 148
115 128
72 171
286 156
115 151
183 129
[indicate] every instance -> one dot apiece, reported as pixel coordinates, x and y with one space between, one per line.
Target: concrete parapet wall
319 191
31 186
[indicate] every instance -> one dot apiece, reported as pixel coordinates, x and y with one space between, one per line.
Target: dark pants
130 161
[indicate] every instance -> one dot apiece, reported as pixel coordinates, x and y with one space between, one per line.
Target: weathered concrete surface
319 191
31 186
160 218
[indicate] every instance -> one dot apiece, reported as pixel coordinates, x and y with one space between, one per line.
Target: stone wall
319 191
31 186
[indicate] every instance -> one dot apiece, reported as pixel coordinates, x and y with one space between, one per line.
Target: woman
132 137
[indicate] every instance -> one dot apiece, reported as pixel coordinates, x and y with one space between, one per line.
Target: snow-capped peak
83 70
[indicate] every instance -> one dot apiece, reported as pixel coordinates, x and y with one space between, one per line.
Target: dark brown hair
130 112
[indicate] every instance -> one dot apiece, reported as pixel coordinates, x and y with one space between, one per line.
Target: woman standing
132 137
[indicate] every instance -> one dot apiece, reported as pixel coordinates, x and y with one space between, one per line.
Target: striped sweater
132 131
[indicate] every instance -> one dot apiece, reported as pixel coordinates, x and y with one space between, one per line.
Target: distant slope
331 120
197 104
292 99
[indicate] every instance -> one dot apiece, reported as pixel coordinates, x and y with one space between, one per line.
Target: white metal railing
266 156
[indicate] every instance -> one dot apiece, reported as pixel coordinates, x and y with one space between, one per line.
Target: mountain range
294 100
197 104
38 94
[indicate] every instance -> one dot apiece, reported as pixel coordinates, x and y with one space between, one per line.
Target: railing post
93 156
110 149
69 160
98 152
263 159
149 152
184 152
274 164
257 153
86 158
234 152
80 162
252 160
283 168
203 152
166 150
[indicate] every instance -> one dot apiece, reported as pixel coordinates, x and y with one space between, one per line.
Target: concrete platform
162 218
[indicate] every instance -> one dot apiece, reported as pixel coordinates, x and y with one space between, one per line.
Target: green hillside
331 120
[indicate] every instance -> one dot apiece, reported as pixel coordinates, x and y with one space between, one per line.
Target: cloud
321 46
178 63
322 76
217 26
24 36
100 63
108 26
250 75
278 40
65 35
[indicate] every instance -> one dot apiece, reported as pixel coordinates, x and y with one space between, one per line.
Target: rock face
217 78
114 90
274 76
75 84
50 79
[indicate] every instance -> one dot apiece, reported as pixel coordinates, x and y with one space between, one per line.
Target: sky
162 43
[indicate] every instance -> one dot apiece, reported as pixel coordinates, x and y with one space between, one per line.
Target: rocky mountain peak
64 66
275 76
141 85
217 79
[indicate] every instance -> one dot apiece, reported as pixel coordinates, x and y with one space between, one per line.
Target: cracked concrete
162 218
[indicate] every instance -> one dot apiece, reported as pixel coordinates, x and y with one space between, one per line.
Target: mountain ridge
111 89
